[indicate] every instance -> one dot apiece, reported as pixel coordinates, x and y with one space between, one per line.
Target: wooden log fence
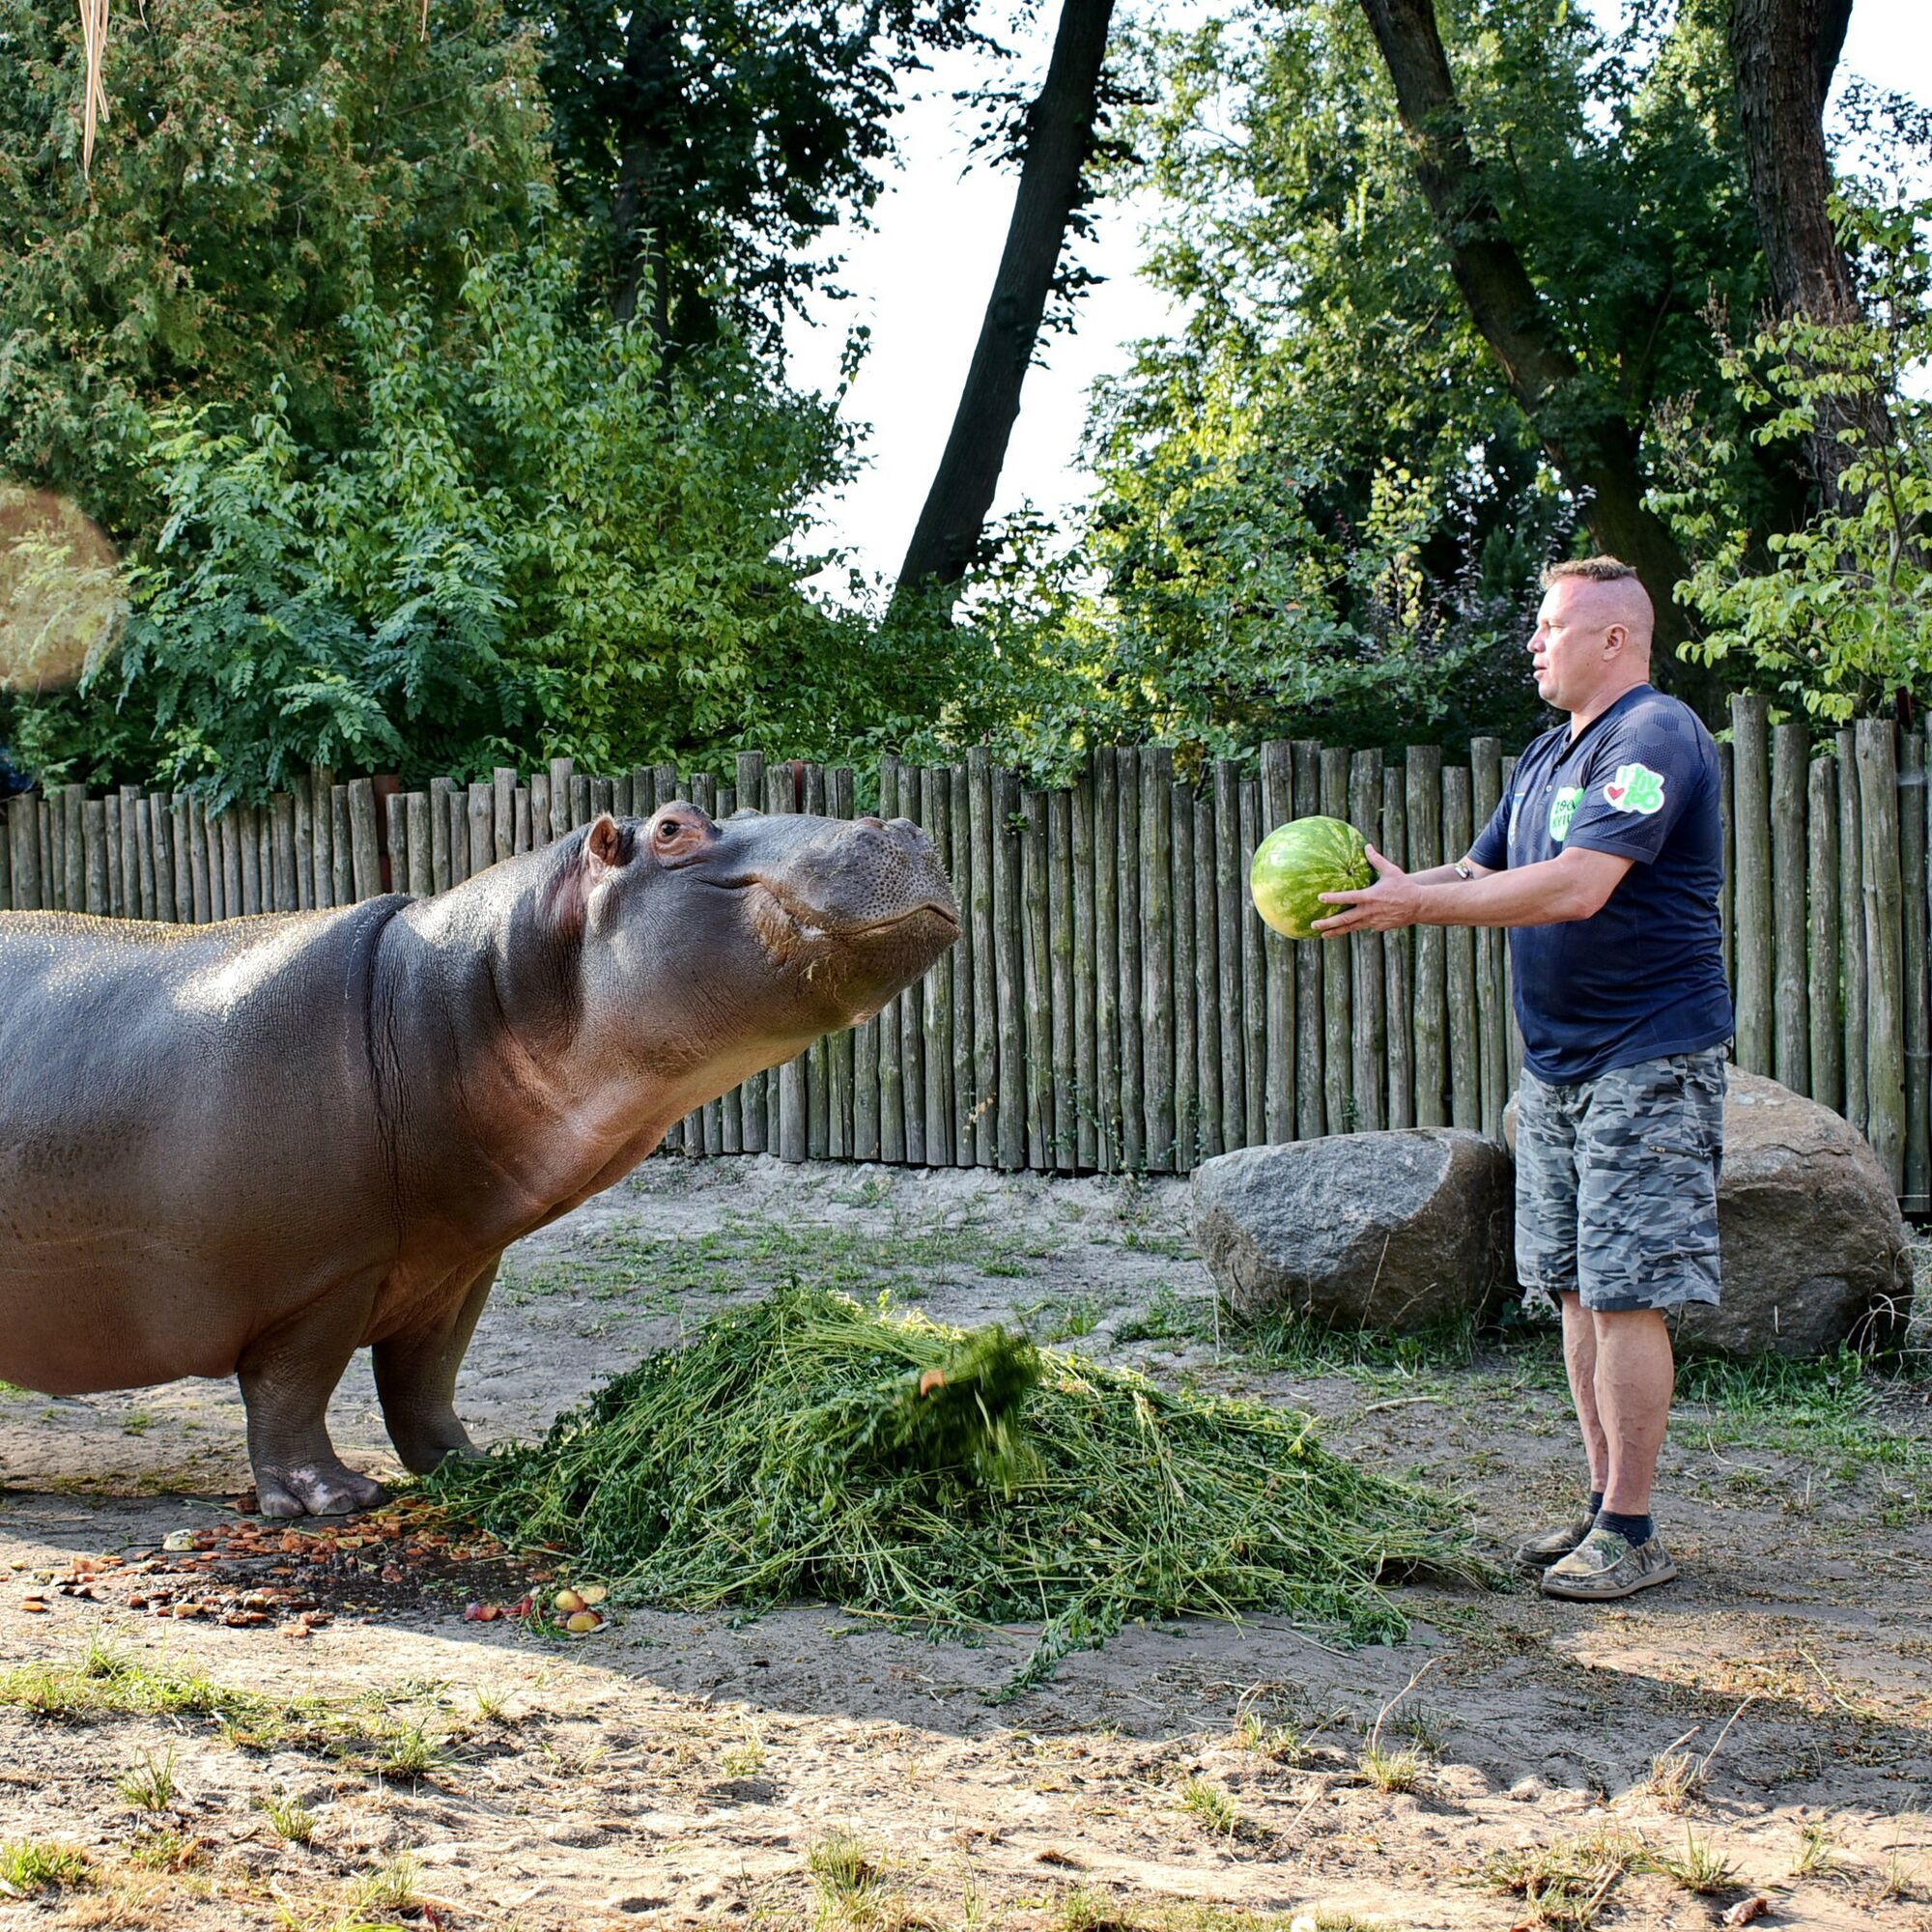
1114 1002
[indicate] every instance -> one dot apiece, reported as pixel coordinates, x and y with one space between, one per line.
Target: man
1605 859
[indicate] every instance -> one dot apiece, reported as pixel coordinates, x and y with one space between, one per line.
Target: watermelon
1299 861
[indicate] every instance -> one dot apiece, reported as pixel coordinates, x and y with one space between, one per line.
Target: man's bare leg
1636 1375
1579 1359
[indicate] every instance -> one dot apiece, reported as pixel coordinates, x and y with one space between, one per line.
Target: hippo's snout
873 874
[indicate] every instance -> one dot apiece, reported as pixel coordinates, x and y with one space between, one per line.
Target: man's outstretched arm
1573 885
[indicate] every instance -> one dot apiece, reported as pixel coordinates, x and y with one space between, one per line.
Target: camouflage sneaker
1605 1566
1541 1551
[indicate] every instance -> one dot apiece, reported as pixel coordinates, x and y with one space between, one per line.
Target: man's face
1568 655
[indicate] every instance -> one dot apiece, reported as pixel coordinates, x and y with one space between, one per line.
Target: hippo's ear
604 848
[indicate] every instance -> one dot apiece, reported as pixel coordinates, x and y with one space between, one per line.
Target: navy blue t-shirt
1645 976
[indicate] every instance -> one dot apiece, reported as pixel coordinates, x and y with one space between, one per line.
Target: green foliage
760 1462
536 537
263 172
1320 508
722 140
1835 614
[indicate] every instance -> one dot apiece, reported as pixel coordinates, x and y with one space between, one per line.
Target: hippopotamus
253 1147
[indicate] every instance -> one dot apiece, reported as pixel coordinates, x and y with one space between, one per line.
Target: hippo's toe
316 1489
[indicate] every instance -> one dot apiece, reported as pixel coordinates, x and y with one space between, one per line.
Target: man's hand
1386 907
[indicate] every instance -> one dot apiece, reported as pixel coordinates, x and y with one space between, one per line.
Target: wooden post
987 1073
1369 1036
503 812
1398 962
540 810
1231 903
282 835
1278 1072
418 842
322 823
1791 1020
8 837
96 886
1010 969
24 851
1423 800
481 827
1105 768
242 818
936 813
1254 975
892 1028
234 901
1465 1079
1311 1025
116 906
912 1007
1337 976
1067 1097
45 820
1750 766
1486 790
203 873
73 820
304 846
1205 992
1884 897
1181 895
1156 765
751 792
442 869
562 774
1133 1118
365 845
1827 1016
1036 966
1917 1189
965 1093
159 853
135 904
344 845
1727 887
1086 987
523 838
1852 927
817 1066
138 830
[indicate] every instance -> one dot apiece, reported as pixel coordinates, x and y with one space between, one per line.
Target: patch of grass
847 1881
1817 1850
136 1422
1085 1911
288 1818
1168 1318
32 1865
1057 1319
168 1851
1566 1883
1211 1806
1700 1867
1258 1737
395 1885
1296 1343
410 1751
1675 1778
1391 1770
746 1758
805 1447
150 1786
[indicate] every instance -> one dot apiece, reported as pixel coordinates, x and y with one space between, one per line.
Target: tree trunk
1783 53
1583 433
1059 138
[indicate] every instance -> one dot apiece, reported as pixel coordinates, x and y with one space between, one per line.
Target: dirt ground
349 1752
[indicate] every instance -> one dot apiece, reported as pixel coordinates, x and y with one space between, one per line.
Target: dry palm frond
94 94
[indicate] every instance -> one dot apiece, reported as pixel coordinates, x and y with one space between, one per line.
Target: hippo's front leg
415 1381
287 1376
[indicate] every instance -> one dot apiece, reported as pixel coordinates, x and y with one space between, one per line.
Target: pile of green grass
790 1451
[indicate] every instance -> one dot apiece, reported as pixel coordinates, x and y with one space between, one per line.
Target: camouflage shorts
1616 1185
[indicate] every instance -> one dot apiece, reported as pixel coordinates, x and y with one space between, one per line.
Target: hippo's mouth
811 924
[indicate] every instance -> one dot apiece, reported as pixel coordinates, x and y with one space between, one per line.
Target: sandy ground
682 1771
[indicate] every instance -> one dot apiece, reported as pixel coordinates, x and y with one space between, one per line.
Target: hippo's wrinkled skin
251 1148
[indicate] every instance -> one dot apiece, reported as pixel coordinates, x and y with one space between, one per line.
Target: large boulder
1388 1230
1813 1251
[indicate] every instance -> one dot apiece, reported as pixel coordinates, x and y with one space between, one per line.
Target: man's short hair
1598 568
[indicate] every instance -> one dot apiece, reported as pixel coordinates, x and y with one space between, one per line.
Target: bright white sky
925 268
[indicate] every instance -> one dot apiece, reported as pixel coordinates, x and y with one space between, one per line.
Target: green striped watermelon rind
1298 862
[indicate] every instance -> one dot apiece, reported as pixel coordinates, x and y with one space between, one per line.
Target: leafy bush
1835 614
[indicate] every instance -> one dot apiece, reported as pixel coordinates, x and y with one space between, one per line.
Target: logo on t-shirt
1562 810
1635 788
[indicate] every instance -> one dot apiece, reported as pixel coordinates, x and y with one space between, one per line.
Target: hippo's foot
316 1488
422 1445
